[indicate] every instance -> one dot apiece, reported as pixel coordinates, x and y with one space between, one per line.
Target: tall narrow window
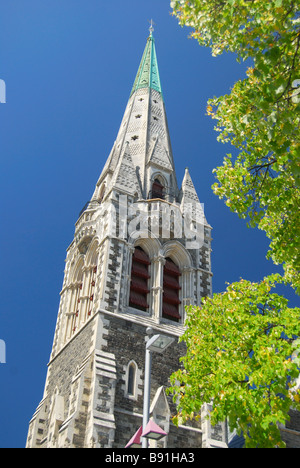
157 190
131 379
139 280
75 301
172 287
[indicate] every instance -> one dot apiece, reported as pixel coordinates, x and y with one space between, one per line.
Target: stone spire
144 132
136 260
189 198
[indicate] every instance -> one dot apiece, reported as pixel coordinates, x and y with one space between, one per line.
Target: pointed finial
151 29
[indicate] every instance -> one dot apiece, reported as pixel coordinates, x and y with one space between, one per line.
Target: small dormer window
157 190
102 193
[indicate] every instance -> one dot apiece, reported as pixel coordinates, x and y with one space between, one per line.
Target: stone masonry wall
63 369
126 340
291 433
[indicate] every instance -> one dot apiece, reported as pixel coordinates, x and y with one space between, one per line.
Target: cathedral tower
140 254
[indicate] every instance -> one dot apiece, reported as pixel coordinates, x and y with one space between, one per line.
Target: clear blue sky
69 66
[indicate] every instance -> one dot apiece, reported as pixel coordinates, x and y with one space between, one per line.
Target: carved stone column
157 288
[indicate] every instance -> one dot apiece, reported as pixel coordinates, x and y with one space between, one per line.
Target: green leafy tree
260 116
242 357
240 343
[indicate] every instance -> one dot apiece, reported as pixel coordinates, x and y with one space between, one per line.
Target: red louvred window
172 287
139 280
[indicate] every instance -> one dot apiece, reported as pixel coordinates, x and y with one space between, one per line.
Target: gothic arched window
157 189
75 300
171 287
90 280
131 379
139 280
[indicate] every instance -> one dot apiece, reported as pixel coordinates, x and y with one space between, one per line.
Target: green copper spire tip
148 74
